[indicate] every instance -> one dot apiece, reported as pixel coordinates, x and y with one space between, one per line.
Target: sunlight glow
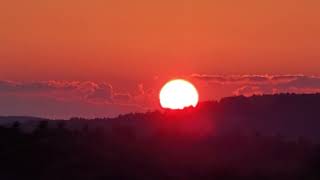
178 94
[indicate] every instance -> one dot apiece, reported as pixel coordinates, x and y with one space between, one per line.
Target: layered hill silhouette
287 115
259 137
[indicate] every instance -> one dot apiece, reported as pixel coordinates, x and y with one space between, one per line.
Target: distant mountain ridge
289 115
8 119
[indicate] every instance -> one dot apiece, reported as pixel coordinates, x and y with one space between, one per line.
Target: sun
178 94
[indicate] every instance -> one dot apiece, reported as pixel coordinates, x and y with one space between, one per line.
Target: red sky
134 46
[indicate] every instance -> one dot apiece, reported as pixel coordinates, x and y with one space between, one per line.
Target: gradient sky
135 46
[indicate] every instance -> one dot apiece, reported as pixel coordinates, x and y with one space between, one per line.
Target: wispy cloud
89 91
88 98
63 99
262 84
248 79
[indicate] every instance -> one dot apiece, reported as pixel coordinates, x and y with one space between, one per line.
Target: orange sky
106 57
137 40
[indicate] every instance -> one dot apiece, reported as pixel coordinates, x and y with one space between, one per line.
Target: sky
63 58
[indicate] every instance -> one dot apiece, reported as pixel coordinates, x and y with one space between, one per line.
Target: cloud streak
64 99
249 79
88 91
263 84
92 99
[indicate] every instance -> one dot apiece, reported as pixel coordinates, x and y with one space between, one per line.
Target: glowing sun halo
178 94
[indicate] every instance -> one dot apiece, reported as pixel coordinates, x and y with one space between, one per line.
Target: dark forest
259 137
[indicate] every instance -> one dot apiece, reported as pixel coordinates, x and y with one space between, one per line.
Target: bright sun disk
178 94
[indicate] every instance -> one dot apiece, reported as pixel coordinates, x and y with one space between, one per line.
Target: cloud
40 86
122 98
89 91
102 93
53 108
39 96
248 91
65 99
285 78
230 79
146 97
261 84
247 79
304 82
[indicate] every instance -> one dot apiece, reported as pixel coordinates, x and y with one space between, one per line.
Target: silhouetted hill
285 114
288 115
260 137
10 119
